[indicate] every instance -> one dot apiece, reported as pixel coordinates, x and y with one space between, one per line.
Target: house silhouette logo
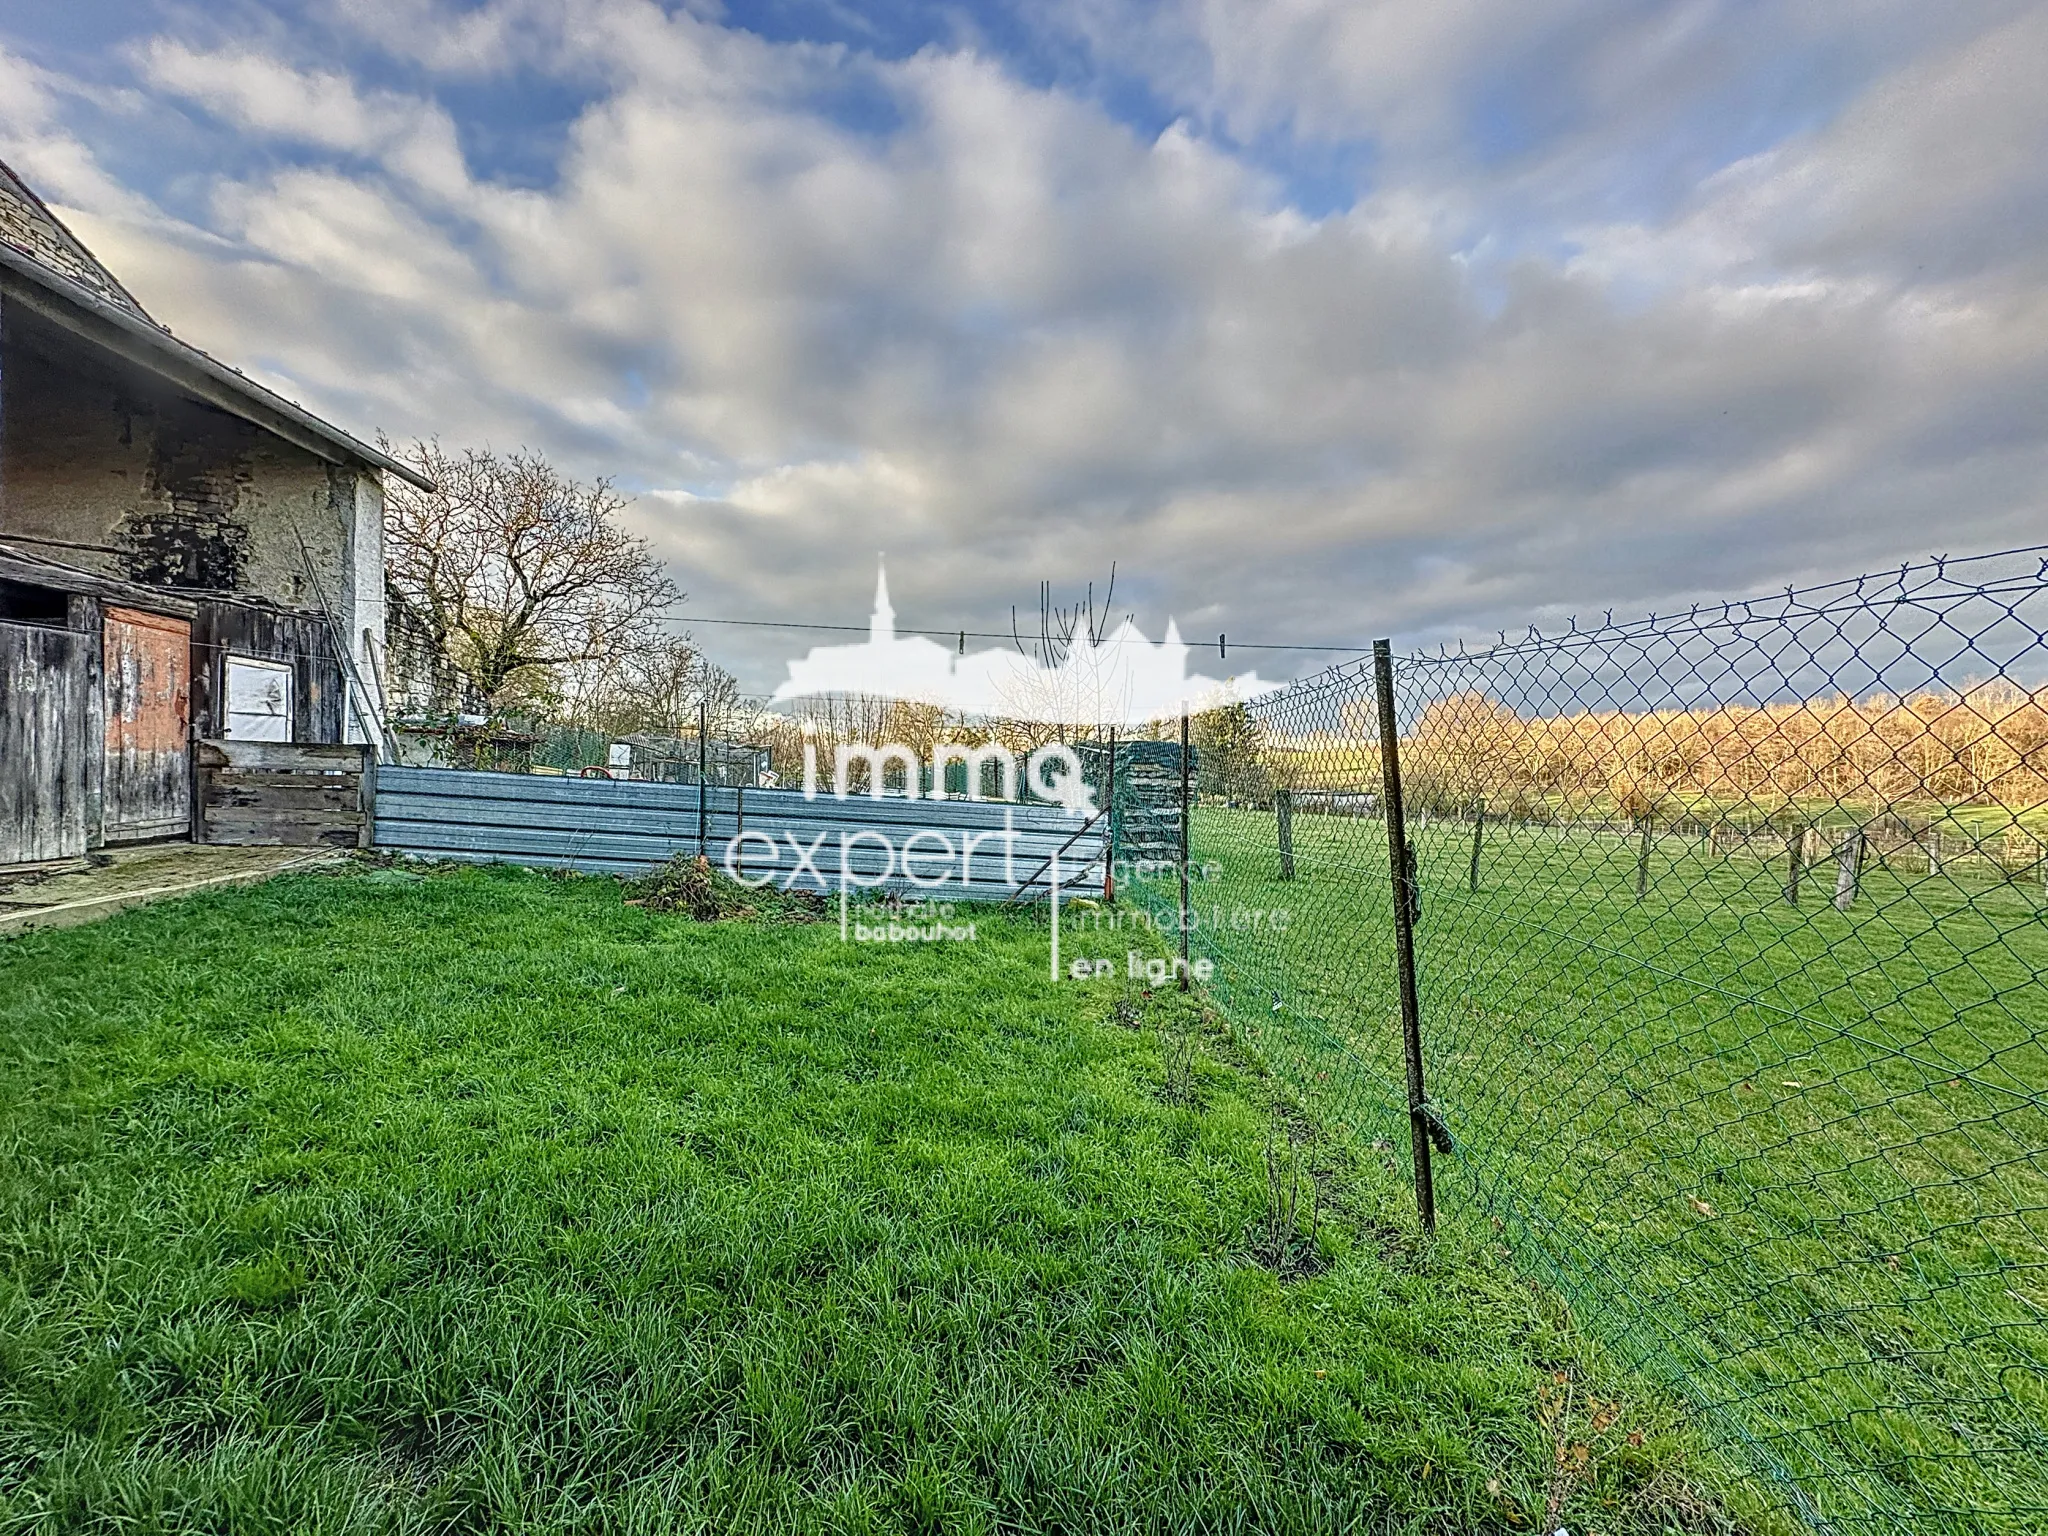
1120 679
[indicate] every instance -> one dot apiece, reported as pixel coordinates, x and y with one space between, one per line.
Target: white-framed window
259 699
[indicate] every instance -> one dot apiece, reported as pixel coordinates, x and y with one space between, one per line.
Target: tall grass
1789 1158
482 1201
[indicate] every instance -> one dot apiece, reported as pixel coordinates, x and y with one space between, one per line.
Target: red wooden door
148 786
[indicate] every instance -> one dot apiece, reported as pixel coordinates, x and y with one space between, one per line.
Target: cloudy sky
1323 319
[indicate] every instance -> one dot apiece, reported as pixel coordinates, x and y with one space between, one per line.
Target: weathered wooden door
148 789
44 742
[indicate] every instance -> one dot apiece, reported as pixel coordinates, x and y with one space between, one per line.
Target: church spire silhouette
882 622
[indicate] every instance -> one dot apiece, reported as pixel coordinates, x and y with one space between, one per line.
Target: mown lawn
1792 1160
481 1200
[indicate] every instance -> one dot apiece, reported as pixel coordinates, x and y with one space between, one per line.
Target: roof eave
155 339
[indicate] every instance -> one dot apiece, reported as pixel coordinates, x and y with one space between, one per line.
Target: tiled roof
27 224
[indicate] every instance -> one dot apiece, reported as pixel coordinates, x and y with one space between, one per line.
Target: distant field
1791 1159
479 1200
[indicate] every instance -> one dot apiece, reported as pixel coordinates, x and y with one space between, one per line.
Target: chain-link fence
1729 938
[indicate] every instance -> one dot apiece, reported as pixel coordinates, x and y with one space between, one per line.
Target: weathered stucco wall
105 466
140 483
363 599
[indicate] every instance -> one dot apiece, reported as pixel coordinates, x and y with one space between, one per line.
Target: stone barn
184 556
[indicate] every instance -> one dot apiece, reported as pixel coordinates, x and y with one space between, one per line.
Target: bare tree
1059 627
517 569
920 727
663 684
675 683
656 686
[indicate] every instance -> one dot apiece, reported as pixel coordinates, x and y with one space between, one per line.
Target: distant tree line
1983 745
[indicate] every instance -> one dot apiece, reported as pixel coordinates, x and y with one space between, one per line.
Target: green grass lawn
481 1200
1792 1160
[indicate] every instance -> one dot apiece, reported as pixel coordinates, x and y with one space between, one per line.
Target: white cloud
266 97
39 145
1003 335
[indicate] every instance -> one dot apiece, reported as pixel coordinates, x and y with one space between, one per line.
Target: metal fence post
1185 801
1109 823
703 789
1283 818
1401 867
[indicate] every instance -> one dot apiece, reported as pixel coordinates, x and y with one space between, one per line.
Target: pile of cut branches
688 885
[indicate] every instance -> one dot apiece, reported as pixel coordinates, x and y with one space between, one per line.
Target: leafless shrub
1286 1250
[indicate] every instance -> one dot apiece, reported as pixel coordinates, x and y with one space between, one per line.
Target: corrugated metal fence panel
614 826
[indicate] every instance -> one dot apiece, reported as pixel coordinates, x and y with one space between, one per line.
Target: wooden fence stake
1283 816
1478 833
1795 858
1643 863
1849 870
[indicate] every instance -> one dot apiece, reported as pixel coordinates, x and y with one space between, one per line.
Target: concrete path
100 884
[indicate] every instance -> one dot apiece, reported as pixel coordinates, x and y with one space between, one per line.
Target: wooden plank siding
223 628
46 742
283 794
